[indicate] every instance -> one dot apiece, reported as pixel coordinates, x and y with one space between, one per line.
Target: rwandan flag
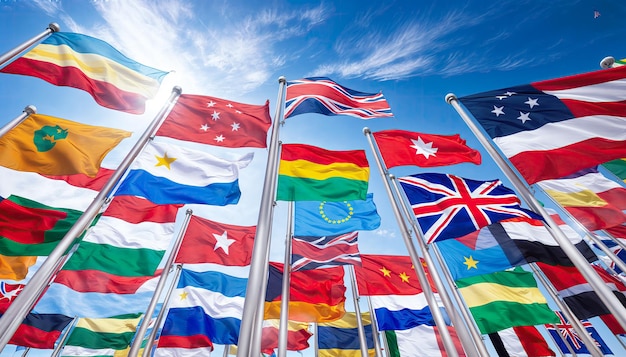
90 64
310 173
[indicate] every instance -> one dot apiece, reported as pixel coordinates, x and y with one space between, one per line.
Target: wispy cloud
385 233
208 55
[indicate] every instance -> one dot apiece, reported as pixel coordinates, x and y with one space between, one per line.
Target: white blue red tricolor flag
324 96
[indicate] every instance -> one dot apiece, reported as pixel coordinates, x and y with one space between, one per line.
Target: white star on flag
422 148
235 126
222 241
215 115
498 110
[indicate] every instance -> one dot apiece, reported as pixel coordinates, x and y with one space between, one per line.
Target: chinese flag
387 275
402 148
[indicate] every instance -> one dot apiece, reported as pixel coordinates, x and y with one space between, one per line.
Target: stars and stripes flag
323 252
324 96
448 206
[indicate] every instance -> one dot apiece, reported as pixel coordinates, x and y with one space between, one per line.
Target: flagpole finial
282 79
607 62
177 89
450 97
54 27
366 131
30 109
392 176
189 211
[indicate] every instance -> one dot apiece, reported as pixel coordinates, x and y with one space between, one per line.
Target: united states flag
448 206
323 252
322 95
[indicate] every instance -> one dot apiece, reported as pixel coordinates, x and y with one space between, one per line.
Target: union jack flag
565 331
322 95
447 206
323 252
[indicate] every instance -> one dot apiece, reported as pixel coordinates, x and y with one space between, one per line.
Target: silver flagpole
24 302
459 300
147 351
26 351
375 331
472 341
357 311
28 110
569 314
226 348
607 62
283 328
169 264
59 347
316 347
386 344
417 265
259 261
52 27
257 332
603 291
598 242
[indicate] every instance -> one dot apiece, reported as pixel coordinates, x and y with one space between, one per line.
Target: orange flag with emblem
55 146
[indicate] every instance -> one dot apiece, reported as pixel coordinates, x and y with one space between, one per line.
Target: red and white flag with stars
219 122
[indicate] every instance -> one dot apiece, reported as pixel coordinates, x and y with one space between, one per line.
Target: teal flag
319 219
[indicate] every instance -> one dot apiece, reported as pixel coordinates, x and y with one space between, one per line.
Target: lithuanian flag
309 173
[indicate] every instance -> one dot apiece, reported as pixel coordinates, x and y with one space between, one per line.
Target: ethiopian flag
309 173
29 228
55 146
505 299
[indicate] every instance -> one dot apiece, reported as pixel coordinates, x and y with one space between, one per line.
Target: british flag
565 331
448 206
323 252
324 96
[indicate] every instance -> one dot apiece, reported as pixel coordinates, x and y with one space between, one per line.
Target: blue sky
414 52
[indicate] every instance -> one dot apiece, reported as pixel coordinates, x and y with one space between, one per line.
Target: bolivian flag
309 173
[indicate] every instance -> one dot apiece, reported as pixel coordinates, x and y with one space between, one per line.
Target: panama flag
396 295
553 128
166 173
448 206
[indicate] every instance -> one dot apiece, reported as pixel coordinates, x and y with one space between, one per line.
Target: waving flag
219 122
40 330
553 128
592 199
314 218
401 148
55 146
422 340
522 341
617 168
449 206
167 173
324 252
395 292
79 61
101 337
322 95
310 173
505 299
297 336
341 337
231 245
563 330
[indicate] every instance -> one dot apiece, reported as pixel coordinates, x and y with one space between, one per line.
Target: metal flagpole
590 236
569 314
316 347
259 261
147 351
283 328
375 331
357 311
226 348
141 331
600 287
28 110
59 347
616 240
564 340
52 27
24 302
386 344
25 353
459 299
418 267
470 337
257 332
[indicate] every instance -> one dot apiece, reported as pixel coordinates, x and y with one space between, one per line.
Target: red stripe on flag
96 281
135 210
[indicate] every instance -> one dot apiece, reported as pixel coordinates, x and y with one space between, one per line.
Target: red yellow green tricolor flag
55 146
310 173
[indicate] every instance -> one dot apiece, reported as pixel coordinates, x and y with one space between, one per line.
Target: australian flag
448 206
567 332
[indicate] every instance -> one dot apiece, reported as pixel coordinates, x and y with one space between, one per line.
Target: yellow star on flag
164 160
471 263
183 295
385 272
404 277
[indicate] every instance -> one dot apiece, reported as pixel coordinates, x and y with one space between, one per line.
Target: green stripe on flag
136 262
392 343
332 189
